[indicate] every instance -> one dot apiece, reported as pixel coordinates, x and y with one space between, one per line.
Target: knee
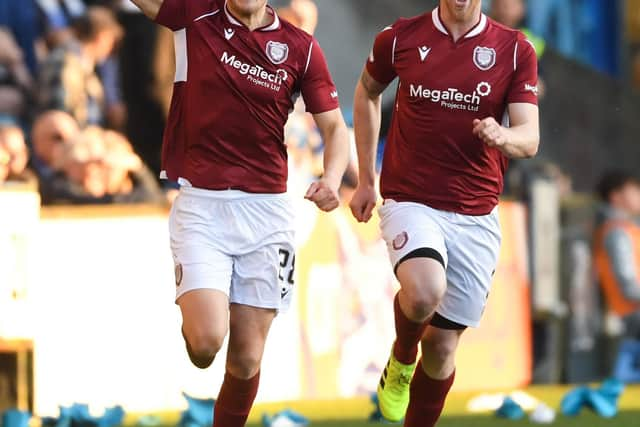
244 365
203 348
423 297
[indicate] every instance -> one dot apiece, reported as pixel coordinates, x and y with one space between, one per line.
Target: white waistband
229 194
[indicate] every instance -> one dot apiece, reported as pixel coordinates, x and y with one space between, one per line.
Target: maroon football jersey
233 92
432 156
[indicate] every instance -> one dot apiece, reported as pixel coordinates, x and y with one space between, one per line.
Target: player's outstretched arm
335 135
149 7
367 117
519 141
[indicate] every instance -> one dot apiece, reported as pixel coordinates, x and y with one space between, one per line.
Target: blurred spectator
100 167
22 20
146 58
56 19
617 247
128 179
68 80
51 132
4 165
512 13
12 140
301 13
15 80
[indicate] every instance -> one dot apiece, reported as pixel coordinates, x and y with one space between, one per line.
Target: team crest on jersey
484 57
277 52
400 241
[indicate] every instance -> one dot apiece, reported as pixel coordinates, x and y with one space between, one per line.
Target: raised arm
367 117
149 7
520 140
335 135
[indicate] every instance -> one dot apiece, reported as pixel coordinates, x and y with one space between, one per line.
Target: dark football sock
408 335
427 399
235 400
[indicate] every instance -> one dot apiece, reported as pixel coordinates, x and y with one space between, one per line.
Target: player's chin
248 6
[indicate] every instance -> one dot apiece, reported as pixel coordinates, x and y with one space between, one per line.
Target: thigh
264 278
205 313
473 257
199 261
411 231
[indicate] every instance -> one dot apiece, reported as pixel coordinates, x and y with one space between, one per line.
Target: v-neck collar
473 32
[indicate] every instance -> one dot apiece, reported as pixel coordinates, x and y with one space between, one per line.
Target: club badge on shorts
484 57
400 241
178 272
277 52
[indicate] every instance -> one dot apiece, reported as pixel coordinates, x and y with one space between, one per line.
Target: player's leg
249 329
203 276
418 254
474 245
434 375
422 286
261 286
205 324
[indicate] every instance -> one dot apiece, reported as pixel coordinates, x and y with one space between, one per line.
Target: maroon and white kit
441 183
232 225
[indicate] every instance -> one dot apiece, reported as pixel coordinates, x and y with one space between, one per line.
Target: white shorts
468 245
238 243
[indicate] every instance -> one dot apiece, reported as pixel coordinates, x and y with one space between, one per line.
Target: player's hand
363 202
490 131
324 195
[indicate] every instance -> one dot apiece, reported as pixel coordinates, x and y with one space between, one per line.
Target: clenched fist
324 195
363 202
490 131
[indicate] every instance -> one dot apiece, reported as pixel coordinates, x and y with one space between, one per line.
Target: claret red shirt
234 89
432 156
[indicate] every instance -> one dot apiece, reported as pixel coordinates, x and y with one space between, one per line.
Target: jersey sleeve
524 86
317 87
380 64
178 14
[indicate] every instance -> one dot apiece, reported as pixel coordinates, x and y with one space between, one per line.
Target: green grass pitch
354 412
455 414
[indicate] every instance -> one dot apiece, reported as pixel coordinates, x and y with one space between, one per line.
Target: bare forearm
522 141
367 116
336 152
149 7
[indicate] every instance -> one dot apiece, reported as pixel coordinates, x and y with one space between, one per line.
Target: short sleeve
317 87
380 64
178 14
524 86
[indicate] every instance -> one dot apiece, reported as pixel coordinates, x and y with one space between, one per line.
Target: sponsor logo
334 94
400 241
453 98
179 275
228 33
277 52
424 52
484 57
255 73
284 292
531 88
